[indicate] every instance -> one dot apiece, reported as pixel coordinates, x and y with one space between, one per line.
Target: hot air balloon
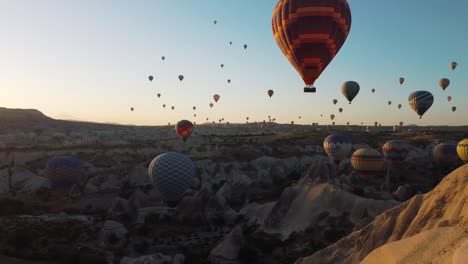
299 117
222 119
335 101
373 90
150 78
347 123
229 80
449 98
247 118
401 123
376 123
399 106
131 109
420 102
184 129
164 106
368 163
194 115
337 146
310 33
172 107
64 172
159 95
194 107
453 65
171 174
216 97
245 46
163 58
350 89
169 123
222 65
389 102
340 110
230 42
181 77
462 150
395 150
444 83
402 80
332 117
445 153
269 116
333 123
211 105
270 93
215 22
292 122
207 119
454 108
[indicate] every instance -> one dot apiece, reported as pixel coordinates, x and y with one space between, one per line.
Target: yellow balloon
462 150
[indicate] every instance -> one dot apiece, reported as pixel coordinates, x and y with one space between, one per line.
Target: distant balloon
373 90
172 107
215 22
222 65
399 106
131 109
368 163
207 119
211 105
350 89
181 77
453 65
150 78
401 123
445 153
64 172
159 95
230 42
332 117
421 101
395 150
292 122
299 117
184 129
444 83
171 174
270 93
164 106
454 108
245 46
163 58
194 107
340 110
335 101
216 97
402 80
462 150
229 80
194 115
347 123
337 146
449 98
333 123
389 102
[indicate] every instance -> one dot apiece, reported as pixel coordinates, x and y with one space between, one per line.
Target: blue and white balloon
337 146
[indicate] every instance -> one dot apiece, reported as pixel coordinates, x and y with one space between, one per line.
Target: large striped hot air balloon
462 150
171 174
445 153
64 172
420 102
395 150
337 146
184 129
310 33
368 163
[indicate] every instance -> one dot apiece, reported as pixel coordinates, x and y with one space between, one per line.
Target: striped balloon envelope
462 150
445 153
171 174
421 101
368 163
184 129
337 146
395 150
64 172
310 33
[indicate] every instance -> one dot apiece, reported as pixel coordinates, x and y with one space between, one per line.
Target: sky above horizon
90 60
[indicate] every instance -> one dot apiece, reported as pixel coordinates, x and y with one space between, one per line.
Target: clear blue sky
89 60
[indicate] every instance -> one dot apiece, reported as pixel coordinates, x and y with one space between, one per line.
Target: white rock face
23 180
